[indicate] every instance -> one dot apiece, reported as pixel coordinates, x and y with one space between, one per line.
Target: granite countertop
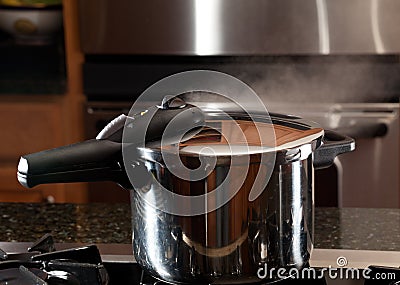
346 228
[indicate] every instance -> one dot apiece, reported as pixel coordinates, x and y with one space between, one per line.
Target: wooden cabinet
32 123
31 126
27 127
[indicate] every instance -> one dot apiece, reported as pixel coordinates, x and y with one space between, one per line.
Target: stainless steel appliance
336 62
240 27
369 178
313 87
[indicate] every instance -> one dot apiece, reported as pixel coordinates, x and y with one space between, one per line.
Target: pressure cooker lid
239 134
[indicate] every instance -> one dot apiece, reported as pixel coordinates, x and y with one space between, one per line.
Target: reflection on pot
235 240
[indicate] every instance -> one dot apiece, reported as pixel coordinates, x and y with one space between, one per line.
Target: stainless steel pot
234 242
231 243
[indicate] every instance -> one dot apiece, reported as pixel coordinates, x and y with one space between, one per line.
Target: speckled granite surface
357 228
92 223
348 228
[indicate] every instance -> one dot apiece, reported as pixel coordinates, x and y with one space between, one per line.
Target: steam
319 80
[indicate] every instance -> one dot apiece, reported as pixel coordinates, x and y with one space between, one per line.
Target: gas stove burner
42 264
44 244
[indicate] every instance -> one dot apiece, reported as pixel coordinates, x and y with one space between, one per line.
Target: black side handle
92 160
333 144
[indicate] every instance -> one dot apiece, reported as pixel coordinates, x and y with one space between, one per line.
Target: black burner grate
42 264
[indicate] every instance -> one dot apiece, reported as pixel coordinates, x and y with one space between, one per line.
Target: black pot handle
101 159
333 144
92 160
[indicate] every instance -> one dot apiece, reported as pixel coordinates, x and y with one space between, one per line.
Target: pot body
246 188
234 241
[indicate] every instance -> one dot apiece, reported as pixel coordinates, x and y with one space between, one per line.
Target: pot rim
315 139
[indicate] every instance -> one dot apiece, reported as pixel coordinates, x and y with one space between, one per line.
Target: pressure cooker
247 184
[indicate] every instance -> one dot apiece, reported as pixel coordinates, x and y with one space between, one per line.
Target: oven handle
365 130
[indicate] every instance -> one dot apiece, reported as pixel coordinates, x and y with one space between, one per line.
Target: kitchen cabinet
33 122
27 127
30 126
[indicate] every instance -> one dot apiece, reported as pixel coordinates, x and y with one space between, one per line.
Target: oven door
368 177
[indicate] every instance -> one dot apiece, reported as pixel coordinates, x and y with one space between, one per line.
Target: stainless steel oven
336 62
369 176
